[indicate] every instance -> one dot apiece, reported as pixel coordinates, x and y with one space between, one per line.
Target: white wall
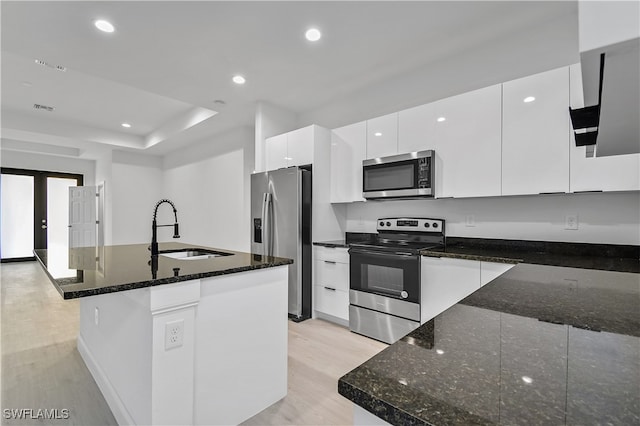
270 120
611 218
210 184
135 187
34 161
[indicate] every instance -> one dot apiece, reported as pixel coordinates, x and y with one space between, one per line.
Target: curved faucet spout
154 225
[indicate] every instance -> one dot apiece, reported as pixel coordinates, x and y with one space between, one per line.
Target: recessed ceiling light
238 79
27 83
377 134
529 99
127 125
441 119
104 26
313 34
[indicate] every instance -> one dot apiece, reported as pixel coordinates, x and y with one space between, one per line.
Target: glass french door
34 212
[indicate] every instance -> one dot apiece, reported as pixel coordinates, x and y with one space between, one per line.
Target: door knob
43 226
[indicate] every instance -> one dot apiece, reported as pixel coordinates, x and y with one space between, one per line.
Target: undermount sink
192 254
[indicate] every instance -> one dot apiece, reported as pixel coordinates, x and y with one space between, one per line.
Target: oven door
395 275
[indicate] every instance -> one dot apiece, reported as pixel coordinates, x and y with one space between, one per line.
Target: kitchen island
538 345
195 335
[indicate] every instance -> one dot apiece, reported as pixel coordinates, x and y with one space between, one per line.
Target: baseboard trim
116 405
333 319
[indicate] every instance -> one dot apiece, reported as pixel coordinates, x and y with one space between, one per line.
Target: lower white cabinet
331 283
446 281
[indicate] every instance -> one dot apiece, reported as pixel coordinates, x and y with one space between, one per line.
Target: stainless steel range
384 277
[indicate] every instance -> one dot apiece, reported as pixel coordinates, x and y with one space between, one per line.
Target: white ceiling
168 61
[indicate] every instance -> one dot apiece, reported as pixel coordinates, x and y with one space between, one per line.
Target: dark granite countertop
538 345
606 257
110 269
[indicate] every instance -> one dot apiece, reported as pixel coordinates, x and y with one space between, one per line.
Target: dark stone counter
91 271
538 345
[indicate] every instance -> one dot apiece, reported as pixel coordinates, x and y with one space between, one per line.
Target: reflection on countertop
538 345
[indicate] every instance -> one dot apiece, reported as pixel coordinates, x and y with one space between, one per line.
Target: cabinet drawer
332 254
332 274
332 302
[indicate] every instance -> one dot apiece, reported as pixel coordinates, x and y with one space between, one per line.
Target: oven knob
388 223
381 223
426 225
435 225
404 294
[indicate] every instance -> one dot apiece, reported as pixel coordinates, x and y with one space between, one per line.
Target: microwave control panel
424 172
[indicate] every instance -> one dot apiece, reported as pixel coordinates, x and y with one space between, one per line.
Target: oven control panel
404 224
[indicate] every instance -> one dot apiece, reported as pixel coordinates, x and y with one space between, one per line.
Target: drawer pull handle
331 262
330 288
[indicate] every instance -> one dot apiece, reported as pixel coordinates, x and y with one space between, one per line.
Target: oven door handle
381 253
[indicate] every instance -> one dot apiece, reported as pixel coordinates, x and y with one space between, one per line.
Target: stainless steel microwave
399 176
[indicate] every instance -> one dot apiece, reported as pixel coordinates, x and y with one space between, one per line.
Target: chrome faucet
154 226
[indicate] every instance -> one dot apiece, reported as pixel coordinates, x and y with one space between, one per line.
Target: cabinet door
300 146
276 152
445 282
348 147
382 136
535 138
469 143
613 173
416 127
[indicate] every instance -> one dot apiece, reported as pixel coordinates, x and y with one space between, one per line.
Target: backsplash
609 218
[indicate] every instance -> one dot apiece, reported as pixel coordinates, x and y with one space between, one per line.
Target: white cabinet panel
332 274
334 254
489 271
445 282
382 136
348 149
332 302
300 146
276 152
468 144
612 173
416 129
535 139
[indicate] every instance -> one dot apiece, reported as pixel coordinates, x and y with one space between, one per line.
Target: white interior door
82 216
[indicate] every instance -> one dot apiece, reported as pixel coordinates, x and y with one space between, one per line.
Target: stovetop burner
407 235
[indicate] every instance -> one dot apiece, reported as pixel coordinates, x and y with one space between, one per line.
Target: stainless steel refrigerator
281 226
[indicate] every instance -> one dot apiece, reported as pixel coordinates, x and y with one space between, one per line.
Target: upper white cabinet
294 148
611 173
416 128
536 133
467 144
382 136
348 149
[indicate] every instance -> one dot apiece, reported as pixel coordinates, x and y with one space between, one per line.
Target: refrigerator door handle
267 238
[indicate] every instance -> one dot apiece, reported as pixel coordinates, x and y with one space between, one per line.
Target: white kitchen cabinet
382 136
587 174
348 149
444 282
492 270
468 142
416 129
276 152
535 134
294 148
331 283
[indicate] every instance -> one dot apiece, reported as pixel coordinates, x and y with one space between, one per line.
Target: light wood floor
42 369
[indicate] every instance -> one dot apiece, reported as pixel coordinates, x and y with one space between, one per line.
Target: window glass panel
16 227
58 226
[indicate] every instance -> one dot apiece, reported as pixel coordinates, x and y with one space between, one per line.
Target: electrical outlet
173 334
571 222
96 315
470 220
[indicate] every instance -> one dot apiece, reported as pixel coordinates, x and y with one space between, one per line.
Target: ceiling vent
43 107
48 65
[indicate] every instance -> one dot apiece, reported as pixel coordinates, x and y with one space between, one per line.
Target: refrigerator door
285 187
